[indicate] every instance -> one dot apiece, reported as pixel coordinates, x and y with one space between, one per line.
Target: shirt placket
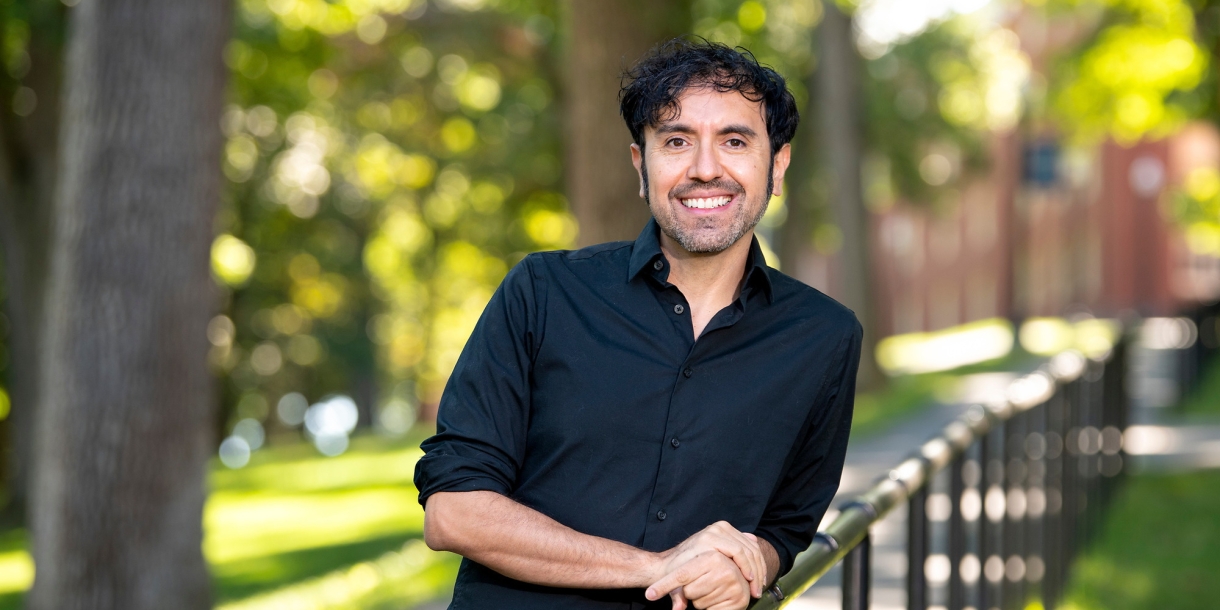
661 507
677 309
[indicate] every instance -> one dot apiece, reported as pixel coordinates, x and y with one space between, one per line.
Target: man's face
708 173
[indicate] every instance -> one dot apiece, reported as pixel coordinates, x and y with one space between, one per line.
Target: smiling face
707 173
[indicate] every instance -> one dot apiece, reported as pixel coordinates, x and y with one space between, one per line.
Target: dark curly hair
649 95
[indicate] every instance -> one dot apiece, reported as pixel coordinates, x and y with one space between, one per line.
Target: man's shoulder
804 301
609 252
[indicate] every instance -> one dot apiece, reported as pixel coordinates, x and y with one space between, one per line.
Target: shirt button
675 442
658 265
688 372
661 515
678 309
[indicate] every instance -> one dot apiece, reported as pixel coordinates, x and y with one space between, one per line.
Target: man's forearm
524 544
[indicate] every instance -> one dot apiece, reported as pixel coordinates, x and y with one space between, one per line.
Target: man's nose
706 164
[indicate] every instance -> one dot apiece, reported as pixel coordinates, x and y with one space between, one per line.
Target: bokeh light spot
232 260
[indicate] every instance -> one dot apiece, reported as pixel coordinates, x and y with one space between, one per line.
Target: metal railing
998 503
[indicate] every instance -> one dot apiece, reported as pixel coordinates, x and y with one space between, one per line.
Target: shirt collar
647 251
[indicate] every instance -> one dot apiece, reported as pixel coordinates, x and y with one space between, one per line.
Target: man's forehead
709 102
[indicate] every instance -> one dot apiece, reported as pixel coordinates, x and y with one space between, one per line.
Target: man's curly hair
650 90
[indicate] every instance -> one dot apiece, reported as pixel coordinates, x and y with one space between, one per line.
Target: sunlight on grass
397 579
241 525
293 517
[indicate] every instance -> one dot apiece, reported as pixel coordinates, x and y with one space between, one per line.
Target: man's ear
637 159
782 159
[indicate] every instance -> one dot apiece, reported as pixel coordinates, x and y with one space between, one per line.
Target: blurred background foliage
387 163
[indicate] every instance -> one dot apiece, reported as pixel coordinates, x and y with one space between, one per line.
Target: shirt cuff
456 473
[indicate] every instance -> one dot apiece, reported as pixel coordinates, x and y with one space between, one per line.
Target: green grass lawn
337 532
1159 548
1204 401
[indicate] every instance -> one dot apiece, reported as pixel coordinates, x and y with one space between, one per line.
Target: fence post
1016 473
1053 530
989 533
856 577
957 534
1035 525
917 549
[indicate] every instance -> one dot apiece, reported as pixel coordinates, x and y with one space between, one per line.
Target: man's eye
737 143
676 142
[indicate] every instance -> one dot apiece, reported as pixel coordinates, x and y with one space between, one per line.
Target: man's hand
742 549
710 580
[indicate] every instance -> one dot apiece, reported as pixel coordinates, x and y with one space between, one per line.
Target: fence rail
998 503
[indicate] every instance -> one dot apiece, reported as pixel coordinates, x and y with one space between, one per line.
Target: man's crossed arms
718 567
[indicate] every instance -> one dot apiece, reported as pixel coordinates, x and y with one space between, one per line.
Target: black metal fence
999 503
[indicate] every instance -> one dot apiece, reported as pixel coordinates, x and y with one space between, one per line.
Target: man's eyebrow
674 128
745 130
738 129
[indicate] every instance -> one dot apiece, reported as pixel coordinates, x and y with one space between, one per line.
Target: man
659 422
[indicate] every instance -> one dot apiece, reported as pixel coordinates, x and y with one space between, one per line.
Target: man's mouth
706 203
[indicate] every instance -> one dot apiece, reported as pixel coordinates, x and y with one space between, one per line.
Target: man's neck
708 281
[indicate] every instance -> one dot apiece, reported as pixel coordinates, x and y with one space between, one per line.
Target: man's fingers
742 551
762 581
743 560
679 601
719 579
740 547
670 582
746 553
760 564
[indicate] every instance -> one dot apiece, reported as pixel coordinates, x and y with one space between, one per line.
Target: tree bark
841 103
607 37
27 183
124 422
804 199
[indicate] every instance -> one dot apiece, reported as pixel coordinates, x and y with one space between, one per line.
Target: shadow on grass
241 579
1203 402
1159 548
11 601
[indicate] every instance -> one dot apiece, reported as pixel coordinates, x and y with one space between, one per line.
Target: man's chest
624 407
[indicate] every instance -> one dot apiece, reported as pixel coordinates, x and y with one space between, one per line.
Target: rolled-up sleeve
484 411
812 477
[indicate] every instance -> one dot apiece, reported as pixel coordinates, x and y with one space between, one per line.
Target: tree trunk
804 199
606 39
124 422
27 183
840 103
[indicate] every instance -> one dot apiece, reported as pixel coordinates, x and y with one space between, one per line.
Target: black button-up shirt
583 394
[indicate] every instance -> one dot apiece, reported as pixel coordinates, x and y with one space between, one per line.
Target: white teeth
706 203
